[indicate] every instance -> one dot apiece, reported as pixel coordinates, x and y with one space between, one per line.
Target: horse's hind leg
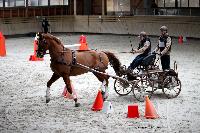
69 89
54 77
104 80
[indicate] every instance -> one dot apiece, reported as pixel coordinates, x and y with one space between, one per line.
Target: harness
62 60
74 62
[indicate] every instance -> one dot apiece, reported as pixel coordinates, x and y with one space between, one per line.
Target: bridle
40 50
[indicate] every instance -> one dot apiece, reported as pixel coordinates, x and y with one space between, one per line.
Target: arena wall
178 25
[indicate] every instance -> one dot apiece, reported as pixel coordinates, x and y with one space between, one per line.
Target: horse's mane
52 37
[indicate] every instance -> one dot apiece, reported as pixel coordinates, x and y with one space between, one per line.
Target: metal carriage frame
148 79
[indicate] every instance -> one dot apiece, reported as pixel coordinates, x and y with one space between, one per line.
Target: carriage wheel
122 88
171 86
142 88
154 81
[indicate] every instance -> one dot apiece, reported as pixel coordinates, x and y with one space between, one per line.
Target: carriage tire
122 88
171 86
140 90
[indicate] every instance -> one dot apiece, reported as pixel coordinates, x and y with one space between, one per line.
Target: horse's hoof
77 104
47 100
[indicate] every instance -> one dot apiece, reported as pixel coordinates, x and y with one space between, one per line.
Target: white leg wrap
104 89
106 92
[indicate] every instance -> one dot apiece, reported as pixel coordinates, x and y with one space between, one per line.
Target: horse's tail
114 62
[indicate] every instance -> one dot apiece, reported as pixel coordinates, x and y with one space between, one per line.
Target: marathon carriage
148 79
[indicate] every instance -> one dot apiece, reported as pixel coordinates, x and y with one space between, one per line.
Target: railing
168 11
159 11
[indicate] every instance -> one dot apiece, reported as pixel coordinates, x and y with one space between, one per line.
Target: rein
96 71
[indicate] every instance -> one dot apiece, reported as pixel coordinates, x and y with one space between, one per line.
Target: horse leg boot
105 94
54 77
104 85
69 89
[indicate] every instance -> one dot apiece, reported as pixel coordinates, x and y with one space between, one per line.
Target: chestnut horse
66 62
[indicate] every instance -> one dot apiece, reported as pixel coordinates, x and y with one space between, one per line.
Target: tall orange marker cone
150 112
98 103
2 45
83 43
34 56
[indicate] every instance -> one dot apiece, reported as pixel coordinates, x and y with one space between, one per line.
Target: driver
143 49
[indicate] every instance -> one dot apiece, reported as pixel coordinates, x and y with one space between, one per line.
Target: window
20 3
58 2
184 3
179 3
1 3
124 5
37 2
65 2
194 3
169 3
110 5
43 3
10 3
160 3
33 3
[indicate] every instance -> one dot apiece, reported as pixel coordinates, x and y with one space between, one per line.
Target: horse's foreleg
104 86
69 89
54 77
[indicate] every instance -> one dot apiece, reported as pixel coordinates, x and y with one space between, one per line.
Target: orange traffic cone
2 45
150 112
83 46
66 94
98 104
83 43
34 56
82 39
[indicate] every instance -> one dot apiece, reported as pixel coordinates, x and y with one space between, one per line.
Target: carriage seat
147 61
170 72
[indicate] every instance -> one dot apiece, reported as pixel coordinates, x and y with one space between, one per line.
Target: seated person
144 49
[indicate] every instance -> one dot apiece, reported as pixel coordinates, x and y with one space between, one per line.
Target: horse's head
45 41
42 45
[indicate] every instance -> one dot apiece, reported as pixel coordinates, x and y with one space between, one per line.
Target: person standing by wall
45 25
